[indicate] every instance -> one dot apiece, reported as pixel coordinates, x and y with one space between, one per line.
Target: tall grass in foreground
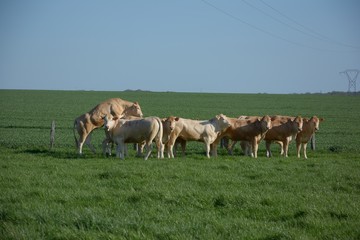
58 195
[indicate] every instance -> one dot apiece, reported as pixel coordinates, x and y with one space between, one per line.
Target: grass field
58 195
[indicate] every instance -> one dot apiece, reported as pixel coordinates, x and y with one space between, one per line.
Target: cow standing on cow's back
87 122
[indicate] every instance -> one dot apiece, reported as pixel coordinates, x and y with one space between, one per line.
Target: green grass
58 195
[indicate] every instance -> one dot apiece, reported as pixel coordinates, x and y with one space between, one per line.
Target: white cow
195 130
146 130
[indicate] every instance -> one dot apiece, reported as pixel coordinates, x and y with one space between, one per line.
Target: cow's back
282 127
190 129
241 128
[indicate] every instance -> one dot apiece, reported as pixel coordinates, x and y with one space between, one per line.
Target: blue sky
237 46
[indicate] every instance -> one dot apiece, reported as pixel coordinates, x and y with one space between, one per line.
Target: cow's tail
76 140
159 137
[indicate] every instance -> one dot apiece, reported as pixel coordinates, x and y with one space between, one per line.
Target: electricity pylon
351 75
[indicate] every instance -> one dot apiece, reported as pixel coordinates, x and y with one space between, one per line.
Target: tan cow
93 119
168 126
195 130
138 131
283 129
249 129
310 126
108 142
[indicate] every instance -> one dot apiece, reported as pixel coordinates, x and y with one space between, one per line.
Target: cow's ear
136 103
177 119
115 118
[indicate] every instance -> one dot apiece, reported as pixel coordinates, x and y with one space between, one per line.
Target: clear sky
237 46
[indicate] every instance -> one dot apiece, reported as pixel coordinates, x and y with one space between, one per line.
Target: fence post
52 135
312 141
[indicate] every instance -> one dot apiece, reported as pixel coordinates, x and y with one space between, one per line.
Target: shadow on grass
57 154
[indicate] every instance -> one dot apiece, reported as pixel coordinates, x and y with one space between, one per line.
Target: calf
195 130
310 126
138 131
283 129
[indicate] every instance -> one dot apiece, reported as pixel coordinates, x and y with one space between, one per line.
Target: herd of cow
124 123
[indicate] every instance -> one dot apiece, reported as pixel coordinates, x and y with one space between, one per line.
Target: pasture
55 194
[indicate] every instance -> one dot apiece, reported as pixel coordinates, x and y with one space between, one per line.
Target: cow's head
315 121
223 121
298 123
133 110
169 123
109 122
265 123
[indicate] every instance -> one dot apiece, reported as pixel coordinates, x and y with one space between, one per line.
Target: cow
310 126
168 126
284 128
194 130
93 119
146 130
108 142
249 129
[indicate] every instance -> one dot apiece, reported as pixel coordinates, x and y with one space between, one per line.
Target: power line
260 29
313 33
279 21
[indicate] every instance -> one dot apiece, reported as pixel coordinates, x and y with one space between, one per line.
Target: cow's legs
88 143
160 149
281 147
213 148
304 148
207 145
170 147
298 149
230 147
120 150
254 148
170 151
268 150
81 142
247 149
106 146
286 147
148 150
183 147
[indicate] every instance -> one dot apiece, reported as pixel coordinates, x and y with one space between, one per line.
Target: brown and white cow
146 130
249 129
284 128
194 130
93 119
310 126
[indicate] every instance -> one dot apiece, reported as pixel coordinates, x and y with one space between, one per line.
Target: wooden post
312 142
52 135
